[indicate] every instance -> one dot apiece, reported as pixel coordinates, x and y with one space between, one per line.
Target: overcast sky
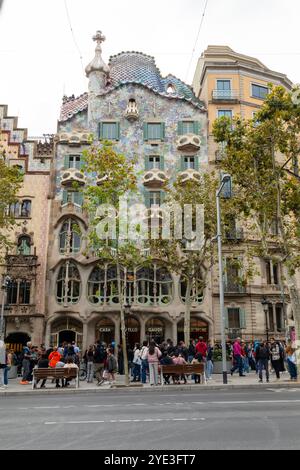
40 62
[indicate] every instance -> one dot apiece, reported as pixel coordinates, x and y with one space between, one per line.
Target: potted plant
217 359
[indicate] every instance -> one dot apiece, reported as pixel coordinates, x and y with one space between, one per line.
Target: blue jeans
209 369
136 372
238 365
145 369
292 369
263 364
6 370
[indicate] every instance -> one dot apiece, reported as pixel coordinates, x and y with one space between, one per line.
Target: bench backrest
183 369
58 373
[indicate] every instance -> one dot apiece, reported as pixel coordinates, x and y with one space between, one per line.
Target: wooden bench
52 373
185 369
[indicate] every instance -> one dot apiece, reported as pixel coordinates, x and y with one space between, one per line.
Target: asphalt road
266 419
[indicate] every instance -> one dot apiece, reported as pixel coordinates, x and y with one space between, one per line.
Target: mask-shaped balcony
155 178
132 112
189 143
102 179
72 175
189 175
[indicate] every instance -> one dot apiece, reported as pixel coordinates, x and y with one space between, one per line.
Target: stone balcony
189 175
189 143
155 178
73 175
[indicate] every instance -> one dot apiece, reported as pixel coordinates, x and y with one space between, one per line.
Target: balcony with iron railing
231 287
235 234
225 96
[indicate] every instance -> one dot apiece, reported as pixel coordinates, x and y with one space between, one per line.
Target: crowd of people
264 356
103 361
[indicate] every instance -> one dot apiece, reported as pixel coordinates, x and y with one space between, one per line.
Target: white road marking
122 421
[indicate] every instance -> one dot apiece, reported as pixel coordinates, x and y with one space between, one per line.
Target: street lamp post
265 305
4 287
225 179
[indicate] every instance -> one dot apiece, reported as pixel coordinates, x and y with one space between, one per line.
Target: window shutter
81 162
117 131
226 318
162 197
147 163
78 164
162 131
67 162
78 198
100 130
242 318
180 128
162 162
145 131
182 166
65 197
196 127
147 200
197 163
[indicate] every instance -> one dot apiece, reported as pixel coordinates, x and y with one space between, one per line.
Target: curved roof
139 69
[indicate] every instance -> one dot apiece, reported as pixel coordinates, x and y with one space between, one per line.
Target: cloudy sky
40 62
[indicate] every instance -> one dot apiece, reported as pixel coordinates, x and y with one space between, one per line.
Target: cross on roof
99 37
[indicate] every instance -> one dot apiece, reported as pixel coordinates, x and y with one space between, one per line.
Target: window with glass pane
223 85
196 294
26 209
225 113
109 131
154 162
96 286
233 318
75 161
24 246
112 285
12 293
14 210
279 317
188 127
154 131
271 318
155 198
24 293
259 91
145 286
68 284
70 237
189 163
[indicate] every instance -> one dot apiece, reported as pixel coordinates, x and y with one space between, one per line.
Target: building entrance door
155 330
105 331
198 328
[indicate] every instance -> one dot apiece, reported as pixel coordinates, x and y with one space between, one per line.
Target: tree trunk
123 325
187 313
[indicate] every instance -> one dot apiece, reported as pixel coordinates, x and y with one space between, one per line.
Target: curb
158 389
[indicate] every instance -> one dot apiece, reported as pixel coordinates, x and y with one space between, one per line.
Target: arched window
26 208
68 284
154 286
96 286
24 245
70 237
112 296
196 291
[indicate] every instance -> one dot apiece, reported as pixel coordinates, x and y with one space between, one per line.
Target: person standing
145 364
89 359
100 356
292 362
153 357
201 348
137 363
275 357
112 366
209 360
2 363
9 363
262 358
26 363
237 357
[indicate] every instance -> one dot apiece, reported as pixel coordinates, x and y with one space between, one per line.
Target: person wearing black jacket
43 363
262 358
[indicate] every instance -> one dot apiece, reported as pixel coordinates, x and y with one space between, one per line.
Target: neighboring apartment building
233 84
25 263
160 122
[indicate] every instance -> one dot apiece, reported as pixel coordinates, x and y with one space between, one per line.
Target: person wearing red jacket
54 358
201 347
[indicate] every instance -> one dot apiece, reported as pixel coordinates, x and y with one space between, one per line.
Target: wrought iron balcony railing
225 95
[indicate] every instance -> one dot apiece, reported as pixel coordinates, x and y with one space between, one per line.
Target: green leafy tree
115 178
262 155
10 183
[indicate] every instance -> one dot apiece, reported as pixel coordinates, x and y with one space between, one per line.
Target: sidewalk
235 382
